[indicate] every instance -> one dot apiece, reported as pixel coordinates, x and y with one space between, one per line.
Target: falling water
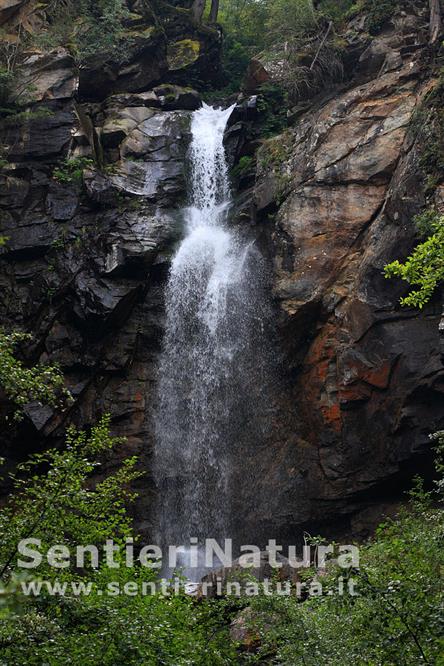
206 384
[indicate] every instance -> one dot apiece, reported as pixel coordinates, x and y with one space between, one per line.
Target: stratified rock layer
366 377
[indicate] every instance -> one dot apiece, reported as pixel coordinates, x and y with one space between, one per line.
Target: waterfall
205 395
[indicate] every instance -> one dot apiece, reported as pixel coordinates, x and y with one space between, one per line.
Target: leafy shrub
272 106
55 501
242 167
380 11
88 29
71 170
394 619
22 385
425 266
291 19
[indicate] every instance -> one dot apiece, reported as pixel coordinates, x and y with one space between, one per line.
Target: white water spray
205 394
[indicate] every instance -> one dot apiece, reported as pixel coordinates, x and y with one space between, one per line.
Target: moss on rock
183 53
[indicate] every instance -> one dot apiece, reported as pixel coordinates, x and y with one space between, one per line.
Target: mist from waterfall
209 389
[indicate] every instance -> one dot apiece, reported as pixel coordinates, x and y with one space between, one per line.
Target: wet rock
48 76
45 136
62 201
13 189
172 98
100 188
153 156
120 123
159 138
215 583
103 302
29 236
183 53
137 240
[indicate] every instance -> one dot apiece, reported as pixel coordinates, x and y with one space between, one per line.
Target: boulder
256 75
145 65
120 123
182 54
217 579
174 97
9 8
45 135
48 76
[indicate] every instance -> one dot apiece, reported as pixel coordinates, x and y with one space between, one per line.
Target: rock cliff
359 380
337 196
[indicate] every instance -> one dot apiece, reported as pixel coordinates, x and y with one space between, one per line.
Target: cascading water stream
211 325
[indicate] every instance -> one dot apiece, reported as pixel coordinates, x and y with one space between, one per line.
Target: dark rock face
87 254
86 262
365 380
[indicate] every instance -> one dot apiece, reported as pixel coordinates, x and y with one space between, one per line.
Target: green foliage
242 167
396 616
308 60
6 85
14 117
335 10
236 56
290 19
425 266
244 36
71 170
55 501
89 29
379 12
42 383
52 502
272 107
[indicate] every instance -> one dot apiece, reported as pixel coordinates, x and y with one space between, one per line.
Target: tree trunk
435 20
214 11
197 10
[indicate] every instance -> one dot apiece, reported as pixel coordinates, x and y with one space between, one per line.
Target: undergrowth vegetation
89 29
424 268
303 36
71 170
21 384
392 616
